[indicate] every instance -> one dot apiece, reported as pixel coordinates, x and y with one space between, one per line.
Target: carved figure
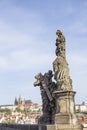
58 98
60 65
48 100
60 44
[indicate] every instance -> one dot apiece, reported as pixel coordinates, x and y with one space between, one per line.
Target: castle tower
16 101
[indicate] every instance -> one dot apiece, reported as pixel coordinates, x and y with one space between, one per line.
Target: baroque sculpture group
58 96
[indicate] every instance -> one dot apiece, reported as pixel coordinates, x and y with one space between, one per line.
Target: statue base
65 117
65 121
62 127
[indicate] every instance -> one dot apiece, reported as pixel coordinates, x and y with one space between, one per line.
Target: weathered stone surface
58 97
65 117
47 87
65 102
60 65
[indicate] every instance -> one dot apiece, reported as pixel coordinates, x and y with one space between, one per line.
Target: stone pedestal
58 106
65 117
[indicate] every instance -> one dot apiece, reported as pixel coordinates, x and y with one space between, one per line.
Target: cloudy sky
27 45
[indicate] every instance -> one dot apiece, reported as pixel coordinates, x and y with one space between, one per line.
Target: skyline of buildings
28 104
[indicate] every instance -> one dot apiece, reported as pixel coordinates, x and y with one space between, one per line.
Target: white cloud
11 37
77 65
78 59
19 27
20 31
24 35
23 60
3 63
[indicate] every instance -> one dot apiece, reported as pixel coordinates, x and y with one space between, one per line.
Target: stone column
65 117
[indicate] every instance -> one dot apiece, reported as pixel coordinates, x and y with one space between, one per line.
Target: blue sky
27 45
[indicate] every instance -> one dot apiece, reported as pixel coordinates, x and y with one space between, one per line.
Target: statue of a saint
60 65
48 100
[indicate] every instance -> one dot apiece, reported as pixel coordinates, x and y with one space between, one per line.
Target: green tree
18 109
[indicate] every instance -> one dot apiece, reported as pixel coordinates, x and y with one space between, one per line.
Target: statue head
58 33
50 73
60 44
38 78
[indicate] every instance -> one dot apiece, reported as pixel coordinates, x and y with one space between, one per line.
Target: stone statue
60 65
58 97
64 94
60 44
48 100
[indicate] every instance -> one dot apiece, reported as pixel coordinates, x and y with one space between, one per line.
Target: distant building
20 100
81 107
27 104
23 105
11 107
15 102
83 121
